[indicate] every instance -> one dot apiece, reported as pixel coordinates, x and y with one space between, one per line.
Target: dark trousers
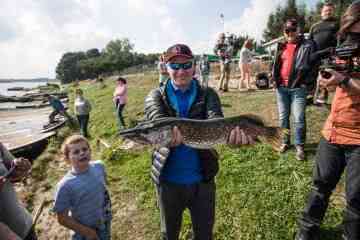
119 110
198 198
83 123
331 161
31 235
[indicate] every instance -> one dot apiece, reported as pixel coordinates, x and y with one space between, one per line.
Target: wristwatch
344 82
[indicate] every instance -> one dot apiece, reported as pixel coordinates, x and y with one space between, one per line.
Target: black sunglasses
289 30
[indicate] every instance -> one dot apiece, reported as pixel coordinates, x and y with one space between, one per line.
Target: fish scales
203 133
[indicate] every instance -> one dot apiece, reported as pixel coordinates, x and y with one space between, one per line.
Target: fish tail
274 136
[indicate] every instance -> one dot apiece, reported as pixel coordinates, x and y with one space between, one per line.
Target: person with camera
184 176
292 65
223 50
323 33
15 220
339 147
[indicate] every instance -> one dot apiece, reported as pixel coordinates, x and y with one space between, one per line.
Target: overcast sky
34 34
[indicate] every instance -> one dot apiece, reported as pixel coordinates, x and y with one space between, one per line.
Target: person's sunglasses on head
290 30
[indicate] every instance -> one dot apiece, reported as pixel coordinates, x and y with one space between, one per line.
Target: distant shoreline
28 80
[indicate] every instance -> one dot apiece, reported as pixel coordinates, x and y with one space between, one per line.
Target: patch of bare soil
128 220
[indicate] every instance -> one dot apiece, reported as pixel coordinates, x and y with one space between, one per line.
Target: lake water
26 84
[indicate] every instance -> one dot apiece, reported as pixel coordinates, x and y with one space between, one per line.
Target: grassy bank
259 193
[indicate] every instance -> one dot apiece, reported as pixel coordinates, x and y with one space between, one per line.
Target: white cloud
254 18
44 33
35 34
164 33
40 32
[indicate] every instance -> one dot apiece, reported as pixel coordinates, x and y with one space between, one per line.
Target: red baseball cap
178 50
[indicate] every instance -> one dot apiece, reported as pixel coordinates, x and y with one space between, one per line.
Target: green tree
68 68
93 53
277 19
119 53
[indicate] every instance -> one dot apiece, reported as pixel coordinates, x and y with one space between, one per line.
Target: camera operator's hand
2 182
22 168
331 82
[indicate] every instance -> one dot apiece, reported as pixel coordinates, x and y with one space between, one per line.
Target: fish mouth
84 159
135 137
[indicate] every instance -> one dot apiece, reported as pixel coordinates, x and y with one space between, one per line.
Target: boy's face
79 156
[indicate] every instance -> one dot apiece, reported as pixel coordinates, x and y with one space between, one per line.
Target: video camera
344 59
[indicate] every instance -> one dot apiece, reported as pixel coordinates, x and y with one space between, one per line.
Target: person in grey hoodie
82 108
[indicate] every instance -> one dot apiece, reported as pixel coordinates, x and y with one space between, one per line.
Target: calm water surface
5 85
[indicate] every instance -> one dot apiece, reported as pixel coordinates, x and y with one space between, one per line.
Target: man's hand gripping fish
203 134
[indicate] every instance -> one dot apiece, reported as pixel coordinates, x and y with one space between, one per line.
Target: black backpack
262 81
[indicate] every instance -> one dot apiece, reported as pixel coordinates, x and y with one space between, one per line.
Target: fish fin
251 118
274 136
199 146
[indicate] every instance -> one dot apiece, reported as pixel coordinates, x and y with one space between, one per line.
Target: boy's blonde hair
71 140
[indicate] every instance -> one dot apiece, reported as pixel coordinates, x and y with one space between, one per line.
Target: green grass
260 194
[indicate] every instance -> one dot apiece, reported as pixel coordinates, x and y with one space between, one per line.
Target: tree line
116 56
305 16
119 54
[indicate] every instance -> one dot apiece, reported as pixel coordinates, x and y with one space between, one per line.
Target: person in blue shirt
184 176
58 108
82 202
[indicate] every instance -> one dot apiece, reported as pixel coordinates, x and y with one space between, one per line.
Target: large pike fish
203 134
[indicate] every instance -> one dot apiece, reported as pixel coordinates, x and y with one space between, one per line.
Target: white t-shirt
12 213
245 55
82 106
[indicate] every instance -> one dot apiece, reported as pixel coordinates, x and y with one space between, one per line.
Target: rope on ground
103 142
39 211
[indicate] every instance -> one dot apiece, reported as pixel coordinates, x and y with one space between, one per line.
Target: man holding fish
184 176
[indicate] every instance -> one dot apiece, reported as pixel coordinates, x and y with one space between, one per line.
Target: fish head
149 135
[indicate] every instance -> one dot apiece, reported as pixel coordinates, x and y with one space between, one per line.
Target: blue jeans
292 100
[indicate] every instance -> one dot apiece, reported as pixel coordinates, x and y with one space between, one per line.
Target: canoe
22 130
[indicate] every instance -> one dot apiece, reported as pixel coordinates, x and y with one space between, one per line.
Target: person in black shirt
323 33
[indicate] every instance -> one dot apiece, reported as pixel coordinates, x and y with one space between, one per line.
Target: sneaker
300 153
283 148
305 235
320 101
